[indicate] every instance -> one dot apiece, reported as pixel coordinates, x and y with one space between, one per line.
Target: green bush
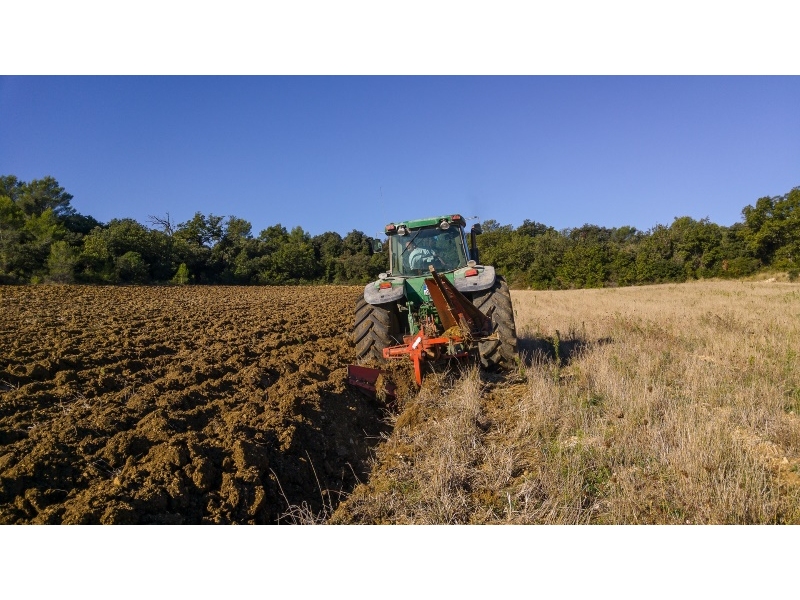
181 275
61 263
131 268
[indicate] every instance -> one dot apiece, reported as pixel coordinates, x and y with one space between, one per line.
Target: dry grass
659 404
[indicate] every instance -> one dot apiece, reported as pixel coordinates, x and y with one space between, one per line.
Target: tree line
44 239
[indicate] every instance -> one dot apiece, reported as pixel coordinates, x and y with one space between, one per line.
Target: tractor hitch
463 324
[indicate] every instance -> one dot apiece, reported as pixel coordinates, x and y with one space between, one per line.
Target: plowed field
178 404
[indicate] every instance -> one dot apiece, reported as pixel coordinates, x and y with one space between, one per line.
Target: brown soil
179 404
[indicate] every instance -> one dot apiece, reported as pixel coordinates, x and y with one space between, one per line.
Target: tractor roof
455 219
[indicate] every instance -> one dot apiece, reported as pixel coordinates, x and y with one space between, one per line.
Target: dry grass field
667 404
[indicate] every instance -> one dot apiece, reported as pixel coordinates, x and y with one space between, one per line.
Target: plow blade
373 382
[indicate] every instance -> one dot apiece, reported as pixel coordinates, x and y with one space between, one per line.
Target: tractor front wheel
500 352
377 326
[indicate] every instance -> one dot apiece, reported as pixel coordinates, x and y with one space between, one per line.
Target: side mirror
473 242
377 246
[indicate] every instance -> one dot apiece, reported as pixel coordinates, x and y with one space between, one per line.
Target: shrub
61 263
130 267
182 275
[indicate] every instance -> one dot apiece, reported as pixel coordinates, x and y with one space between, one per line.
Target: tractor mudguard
485 279
375 295
482 281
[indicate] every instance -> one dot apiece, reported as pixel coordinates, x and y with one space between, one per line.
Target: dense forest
44 239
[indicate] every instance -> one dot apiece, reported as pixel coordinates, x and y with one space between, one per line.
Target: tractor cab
412 254
414 246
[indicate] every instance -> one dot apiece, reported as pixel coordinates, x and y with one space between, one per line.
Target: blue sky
354 152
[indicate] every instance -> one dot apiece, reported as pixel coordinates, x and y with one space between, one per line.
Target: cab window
413 253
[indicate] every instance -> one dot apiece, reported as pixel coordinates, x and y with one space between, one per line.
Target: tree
697 246
273 237
246 263
585 265
61 263
231 255
773 229
10 187
95 263
40 195
328 247
126 235
548 253
291 258
357 242
532 228
354 268
237 229
131 268
12 220
589 234
181 275
356 263
201 230
491 226
80 224
165 223
101 249
625 235
654 258
38 234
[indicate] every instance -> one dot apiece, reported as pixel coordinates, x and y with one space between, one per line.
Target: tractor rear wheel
501 352
376 327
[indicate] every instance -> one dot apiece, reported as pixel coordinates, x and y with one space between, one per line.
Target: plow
418 312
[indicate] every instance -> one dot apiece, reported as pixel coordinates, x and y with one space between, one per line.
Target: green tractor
436 300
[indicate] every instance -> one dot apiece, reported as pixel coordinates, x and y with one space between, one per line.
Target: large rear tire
501 352
376 327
